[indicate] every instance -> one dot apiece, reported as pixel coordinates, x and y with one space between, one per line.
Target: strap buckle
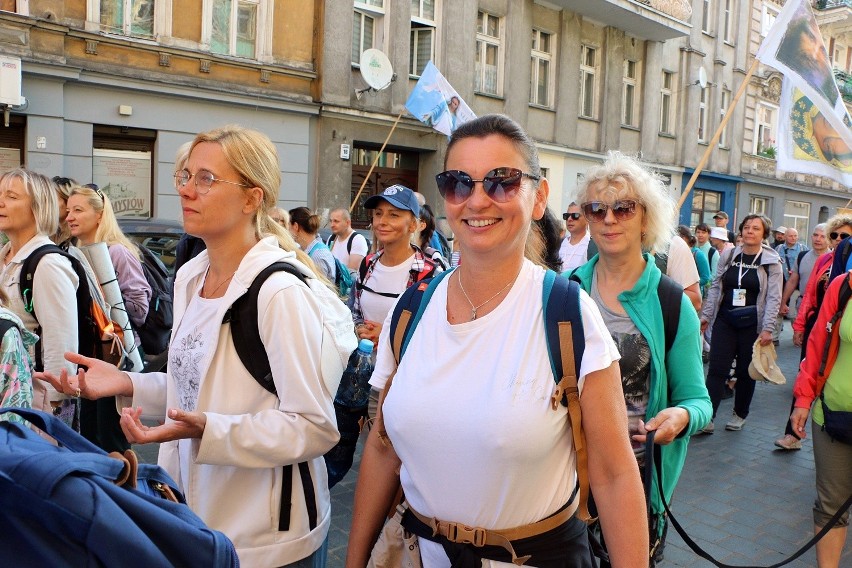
463 534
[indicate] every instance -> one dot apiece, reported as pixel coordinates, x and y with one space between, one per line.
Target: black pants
727 344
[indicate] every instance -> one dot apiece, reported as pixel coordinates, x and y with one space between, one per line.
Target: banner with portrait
807 141
795 47
434 102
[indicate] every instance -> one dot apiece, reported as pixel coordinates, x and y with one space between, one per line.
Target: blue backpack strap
563 329
408 311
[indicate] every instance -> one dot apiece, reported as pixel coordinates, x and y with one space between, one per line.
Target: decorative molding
165 59
771 89
204 65
264 75
91 47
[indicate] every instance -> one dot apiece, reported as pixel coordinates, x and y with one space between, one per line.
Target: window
422 43
723 109
489 54
728 22
767 18
702 116
667 103
541 79
127 17
588 82
234 27
367 27
707 16
837 56
705 203
759 205
123 167
764 129
796 215
630 94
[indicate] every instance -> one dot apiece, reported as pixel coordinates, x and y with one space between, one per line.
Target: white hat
781 229
763 366
720 233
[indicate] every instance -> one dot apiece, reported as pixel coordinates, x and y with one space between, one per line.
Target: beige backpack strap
569 387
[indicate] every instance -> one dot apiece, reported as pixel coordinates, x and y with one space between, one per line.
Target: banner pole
376 160
728 113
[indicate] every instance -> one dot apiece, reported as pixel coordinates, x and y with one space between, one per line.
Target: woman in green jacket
629 211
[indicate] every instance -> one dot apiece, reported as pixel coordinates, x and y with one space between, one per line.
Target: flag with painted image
814 129
435 103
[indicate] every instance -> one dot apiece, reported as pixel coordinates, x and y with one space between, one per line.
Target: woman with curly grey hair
629 212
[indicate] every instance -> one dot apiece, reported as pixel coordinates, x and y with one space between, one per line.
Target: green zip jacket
676 379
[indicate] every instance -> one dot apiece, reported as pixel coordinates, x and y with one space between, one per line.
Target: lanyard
742 260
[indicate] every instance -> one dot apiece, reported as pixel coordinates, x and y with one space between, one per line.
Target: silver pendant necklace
473 308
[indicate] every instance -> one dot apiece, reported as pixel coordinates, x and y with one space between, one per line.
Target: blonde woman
225 438
62 237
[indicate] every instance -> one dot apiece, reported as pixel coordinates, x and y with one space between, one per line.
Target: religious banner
436 103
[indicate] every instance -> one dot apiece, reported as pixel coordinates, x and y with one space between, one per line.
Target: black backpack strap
670 294
27 278
349 242
799 260
242 316
5 326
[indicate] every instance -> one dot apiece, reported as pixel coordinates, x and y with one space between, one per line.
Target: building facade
112 88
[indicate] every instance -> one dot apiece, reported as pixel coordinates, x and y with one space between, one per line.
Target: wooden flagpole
728 113
376 160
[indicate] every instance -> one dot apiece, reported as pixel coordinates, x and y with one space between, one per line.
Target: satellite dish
702 77
376 69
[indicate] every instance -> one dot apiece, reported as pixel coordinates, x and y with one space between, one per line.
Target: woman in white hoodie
225 438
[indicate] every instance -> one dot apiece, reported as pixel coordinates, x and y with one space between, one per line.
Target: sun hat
764 366
720 233
397 195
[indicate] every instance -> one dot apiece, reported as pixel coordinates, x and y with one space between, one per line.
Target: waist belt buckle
463 534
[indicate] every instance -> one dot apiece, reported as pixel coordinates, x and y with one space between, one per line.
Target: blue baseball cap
397 195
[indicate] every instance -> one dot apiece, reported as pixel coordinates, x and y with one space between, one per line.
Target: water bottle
354 390
350 408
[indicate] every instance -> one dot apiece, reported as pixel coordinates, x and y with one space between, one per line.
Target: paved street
739 498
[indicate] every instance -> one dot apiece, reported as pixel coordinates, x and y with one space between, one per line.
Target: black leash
653 454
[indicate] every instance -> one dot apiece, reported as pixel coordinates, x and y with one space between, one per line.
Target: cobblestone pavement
742 500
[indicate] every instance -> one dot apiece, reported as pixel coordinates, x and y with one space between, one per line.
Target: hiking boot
735 423
789 442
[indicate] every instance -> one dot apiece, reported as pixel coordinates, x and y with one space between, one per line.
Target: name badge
739 297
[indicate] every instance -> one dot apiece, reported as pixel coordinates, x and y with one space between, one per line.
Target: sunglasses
574 216
835 235
623 209
500 184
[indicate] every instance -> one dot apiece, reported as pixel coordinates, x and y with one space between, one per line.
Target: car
161 236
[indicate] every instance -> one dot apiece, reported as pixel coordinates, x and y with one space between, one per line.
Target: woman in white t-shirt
398 264
474 438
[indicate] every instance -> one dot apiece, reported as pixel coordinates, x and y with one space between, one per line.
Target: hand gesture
98 380
667 424
183 425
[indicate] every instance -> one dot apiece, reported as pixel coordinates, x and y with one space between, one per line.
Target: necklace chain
219 285
473 308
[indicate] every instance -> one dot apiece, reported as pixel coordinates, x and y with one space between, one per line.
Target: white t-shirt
466 403
681 264
189 351
359 247
387 279
573 255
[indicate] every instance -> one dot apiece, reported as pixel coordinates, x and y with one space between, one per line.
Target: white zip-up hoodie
233 481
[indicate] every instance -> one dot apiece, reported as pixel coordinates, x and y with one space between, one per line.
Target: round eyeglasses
204 180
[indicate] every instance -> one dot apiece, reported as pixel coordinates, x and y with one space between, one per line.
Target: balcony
829 4
657 20
844 83
834 17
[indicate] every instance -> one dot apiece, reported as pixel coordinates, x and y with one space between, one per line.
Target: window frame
724 104
759 205
630 85
768 14
420 24
667 118
703 99
707 17
760 125
483 41
798 222
376 12
162 25
263 31
729 15
585 72
538 56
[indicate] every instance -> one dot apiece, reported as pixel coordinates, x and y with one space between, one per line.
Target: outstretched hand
183 425
668 423
99 379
